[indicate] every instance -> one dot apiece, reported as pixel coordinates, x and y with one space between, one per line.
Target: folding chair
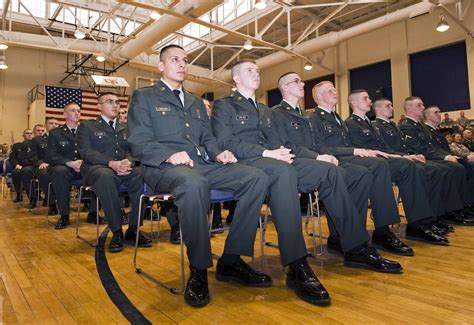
75 183
121 188
309 215
163 197
34 182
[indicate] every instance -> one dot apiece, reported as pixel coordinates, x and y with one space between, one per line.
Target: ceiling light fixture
260 4
3 63
100 57
308 66
79 34
442 25
154 15
248 45
3 45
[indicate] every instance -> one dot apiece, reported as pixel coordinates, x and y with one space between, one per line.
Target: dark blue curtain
273 97
375 78
439 76
308 87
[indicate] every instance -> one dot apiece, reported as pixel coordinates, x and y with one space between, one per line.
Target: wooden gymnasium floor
49 277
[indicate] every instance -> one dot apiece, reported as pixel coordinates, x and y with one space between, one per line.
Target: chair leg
49 192
148 275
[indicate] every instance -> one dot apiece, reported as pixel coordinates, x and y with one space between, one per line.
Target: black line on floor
118 297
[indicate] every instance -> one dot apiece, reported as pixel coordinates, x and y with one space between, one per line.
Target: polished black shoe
196 293
444 225
116 243
150 214
62 223
368 257
241 272
92 218
306 285
426 235
131 237
18 198
124 217
438 231
334 246
52 210
390 243
175 235
469 210
457 219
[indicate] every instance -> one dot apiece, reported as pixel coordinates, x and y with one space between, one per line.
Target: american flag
58 97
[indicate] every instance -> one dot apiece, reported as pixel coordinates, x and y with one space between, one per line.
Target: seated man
23 158
107 164
467 139
248 129
331 131
421 140
410 177
64 164
170 134
40 142
460 150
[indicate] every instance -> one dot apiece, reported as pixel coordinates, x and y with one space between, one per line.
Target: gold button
187 125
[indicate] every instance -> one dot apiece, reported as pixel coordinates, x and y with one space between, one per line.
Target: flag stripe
58 97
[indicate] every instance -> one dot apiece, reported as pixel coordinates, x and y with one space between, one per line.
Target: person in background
22 158
122 115
460 150
462 121
467 139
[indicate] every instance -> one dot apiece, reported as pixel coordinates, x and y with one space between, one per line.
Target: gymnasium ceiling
212 31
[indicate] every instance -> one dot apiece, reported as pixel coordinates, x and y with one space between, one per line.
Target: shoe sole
459 224
115 250
358 265
319 302
230 278
427 241
392 252
197 304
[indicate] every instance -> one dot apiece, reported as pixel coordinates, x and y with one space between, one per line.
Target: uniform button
75 151
116 143
185 113
187 125
116 135
187 136
116 151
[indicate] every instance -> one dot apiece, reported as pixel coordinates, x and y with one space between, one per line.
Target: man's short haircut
408 100
105 93
283 76
168 47
353 94
237 64
428 110
71 103
378 102
318 86
431 106
38 126
49 118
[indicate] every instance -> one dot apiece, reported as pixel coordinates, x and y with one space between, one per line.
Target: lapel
290 110
67 133
166 95
101 124
188 100
120 127
241 101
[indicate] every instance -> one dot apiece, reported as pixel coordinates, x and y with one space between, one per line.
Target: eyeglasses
297 81
110 102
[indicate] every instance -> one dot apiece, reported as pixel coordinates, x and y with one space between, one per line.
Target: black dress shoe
18 198
390 243
52 210
131 237
175 235
116 243
306 285
32 204
334 246
196 293
457 219
62 223
438 231
92 218
150 214
426 235
444 225
368 257
241 272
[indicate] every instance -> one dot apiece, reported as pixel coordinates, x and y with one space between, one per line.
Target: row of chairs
216 196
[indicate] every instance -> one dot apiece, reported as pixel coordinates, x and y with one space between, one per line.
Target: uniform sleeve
221 122
141 136
321 145
411 140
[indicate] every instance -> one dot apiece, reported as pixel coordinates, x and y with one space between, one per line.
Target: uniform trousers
44 178
22 177
105 183
191 190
